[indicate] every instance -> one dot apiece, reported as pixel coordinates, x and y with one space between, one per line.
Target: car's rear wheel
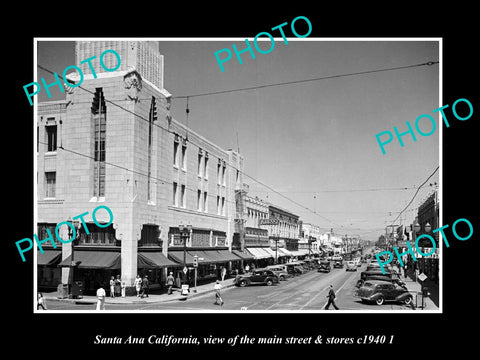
408 300
269 282
242 283
380 300
282 278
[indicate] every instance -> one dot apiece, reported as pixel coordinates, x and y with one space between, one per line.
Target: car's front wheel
269 282
243 283
408 300
380 300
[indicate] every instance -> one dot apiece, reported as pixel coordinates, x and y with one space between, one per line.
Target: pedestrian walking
138 284
118 286
170 282
218 296
224 272
247 268
145 287
331 299
112 287
101 298
41 303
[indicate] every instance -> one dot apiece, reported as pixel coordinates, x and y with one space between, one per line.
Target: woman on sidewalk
218 297
138 284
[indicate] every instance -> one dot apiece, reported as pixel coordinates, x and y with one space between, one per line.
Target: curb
175 297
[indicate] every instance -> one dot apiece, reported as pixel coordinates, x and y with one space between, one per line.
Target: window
205 201
205 171
219 210
182 196
100 128
223 205
149 236
224 178
200 156
51 131
175 152
50 180
175 189
199 200
97 236
184 156
219 173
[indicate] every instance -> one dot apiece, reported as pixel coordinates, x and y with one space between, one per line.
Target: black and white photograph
203 180
272 173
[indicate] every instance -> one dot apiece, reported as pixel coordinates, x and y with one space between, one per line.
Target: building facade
113 142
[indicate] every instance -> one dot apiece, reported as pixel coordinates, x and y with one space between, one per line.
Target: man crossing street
331 299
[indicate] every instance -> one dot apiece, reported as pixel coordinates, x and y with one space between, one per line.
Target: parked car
257 276
324 266
357 261
280 271
338 264
351 266
337 257
293 268
378 275
379 292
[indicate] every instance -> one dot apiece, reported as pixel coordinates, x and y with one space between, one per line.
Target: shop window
149 236
97 236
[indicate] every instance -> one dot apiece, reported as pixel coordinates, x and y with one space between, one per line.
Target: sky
313 143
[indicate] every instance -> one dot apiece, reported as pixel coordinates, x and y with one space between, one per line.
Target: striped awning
209 256
285 252
259 253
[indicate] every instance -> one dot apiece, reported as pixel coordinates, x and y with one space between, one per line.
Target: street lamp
76 227
185 234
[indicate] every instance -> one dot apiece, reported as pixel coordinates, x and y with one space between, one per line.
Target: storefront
157 266
94 269
48 274
211 262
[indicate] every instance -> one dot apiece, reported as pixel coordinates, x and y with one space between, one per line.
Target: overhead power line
414 195
429 63
244 89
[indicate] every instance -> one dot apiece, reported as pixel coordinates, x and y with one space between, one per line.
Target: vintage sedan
257 276
338 264
379 292
378 275
324 266
351 266
280 271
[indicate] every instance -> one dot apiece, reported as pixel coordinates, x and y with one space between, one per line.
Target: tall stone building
113 142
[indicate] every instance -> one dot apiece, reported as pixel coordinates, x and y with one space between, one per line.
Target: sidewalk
415 288
152 298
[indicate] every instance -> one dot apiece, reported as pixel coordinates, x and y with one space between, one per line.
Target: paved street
304 292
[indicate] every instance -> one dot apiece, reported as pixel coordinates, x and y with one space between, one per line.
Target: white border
244 312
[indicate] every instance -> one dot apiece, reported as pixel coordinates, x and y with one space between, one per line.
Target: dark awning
243 255
154 260
49 257
94 260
